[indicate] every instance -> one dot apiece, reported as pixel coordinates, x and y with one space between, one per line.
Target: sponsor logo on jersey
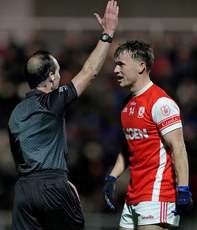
63 88
169 121
141 112
165 109
133 103
134 133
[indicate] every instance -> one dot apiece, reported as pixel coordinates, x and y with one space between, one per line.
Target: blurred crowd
93 121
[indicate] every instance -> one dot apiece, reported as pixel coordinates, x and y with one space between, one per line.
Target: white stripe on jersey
158 178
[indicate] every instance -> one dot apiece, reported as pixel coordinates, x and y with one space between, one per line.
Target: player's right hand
108 190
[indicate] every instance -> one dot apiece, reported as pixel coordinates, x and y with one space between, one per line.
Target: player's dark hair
38 67
137 50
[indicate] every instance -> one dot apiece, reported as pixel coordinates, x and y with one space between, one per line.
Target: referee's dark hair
37 68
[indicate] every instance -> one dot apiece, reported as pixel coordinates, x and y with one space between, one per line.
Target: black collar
35 92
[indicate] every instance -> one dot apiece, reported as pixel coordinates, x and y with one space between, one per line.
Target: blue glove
184 202
108 190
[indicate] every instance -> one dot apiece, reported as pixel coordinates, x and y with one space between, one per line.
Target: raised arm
96 59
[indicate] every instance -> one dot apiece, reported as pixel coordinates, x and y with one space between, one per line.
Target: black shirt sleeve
58 100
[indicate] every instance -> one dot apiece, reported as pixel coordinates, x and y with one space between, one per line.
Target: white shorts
147 213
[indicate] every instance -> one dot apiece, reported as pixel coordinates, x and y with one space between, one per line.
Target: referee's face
56 80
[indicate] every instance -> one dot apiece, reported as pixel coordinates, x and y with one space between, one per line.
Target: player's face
126 70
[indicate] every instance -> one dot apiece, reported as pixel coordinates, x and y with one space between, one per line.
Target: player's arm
122 161
175 141
120 166
164 112
96 59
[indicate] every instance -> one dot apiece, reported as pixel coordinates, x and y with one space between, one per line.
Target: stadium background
69 30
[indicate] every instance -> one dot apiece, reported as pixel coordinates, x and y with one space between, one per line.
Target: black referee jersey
37 130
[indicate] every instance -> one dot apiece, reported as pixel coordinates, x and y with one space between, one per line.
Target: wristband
106 178
184 189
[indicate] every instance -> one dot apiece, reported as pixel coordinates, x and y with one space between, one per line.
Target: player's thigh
154 227
121 228
149 227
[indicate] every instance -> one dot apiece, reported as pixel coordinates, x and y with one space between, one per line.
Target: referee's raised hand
109 21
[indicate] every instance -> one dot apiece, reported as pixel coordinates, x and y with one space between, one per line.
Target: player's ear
142 67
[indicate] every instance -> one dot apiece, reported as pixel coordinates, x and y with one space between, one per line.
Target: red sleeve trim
168 122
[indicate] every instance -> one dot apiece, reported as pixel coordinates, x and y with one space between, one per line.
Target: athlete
154 149
44 198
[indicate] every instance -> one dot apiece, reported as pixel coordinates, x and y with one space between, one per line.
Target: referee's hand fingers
72 185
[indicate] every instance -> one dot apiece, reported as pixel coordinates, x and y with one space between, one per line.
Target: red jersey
149 115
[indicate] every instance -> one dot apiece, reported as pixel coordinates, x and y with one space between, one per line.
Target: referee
44 198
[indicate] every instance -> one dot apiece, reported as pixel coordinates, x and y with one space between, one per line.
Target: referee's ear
51 76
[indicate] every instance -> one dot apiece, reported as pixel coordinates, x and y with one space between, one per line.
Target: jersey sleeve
166 115
58 100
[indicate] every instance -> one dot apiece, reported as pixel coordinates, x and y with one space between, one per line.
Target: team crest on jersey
165 109
62 88
141 112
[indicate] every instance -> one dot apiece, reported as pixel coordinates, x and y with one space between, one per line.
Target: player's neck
140 84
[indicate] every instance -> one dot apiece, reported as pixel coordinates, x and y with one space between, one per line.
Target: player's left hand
109 21
108 190
184 203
